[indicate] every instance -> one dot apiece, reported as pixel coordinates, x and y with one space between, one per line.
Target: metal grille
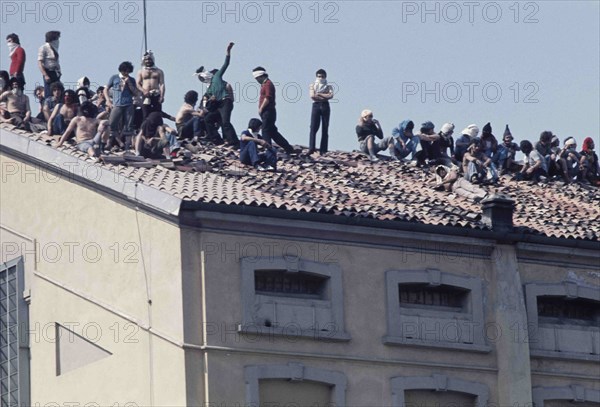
303 285
426 295
568 309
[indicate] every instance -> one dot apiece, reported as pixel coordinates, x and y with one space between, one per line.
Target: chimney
497 213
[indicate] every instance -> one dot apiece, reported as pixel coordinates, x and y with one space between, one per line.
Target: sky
534 65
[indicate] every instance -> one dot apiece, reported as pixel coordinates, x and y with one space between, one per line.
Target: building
332 281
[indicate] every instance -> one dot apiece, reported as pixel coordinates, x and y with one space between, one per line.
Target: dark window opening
290 284
563 310
425 295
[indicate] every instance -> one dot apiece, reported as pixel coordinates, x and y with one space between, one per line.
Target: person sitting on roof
38 93
505 156
543 146
534 167
63 113
449 180
575 163
57 90
462 143
488 141
429 148
366 130
17 112
155 138
591 171
405 142
250 140
4 86
189 121
445 141
99 100
477 166
83 91
557 166
89 131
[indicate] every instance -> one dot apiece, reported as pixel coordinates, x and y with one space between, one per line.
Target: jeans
229 133
54 77
250 156
121 116
481 173
192 128
320 113
270 132
410 147
59 125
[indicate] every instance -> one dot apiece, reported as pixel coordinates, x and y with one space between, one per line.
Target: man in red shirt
17 57
267 112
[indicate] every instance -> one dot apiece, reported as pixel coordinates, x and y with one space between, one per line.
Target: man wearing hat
462 143
151 83
505 156
267 111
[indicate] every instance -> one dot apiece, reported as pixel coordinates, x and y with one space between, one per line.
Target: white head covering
81 81
205 77
447 128
471 130
257 74
366 113
570 141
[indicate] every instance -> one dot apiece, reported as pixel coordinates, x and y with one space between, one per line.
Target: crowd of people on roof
127 114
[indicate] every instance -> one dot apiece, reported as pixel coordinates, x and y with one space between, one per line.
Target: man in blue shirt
121 104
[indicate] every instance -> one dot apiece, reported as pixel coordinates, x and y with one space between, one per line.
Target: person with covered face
463 142
321 93
489 142
428 139
151 84
535 167
575 162
63 113
221 94
17 57
48 60
189 121
591 170
478 167
268 112
17 111
505 156
89 131
367 130
155 138
249 155
84 93
405 142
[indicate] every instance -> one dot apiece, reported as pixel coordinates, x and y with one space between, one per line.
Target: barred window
297 284
560 309
432 296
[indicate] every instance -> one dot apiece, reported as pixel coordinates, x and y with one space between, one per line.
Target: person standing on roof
220 92
48 61
320 92
120 105
267 111
151 84
17 57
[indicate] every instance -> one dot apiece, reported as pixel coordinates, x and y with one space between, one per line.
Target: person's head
475 144
39 93
570 143
408 129
88 109
588 144
366 116
148 59
526 147
191 97
125 68
507 136
555 142
13 38
487 130
427 128
441 171
260 74
100 93
204 76
57 89
447 129
471 130
83 82
16 83
69 97
52 36
546 137
4 80
254 125
321 74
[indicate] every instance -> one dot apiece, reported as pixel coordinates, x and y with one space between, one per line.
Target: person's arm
461 142
20 59
265 103
107 94
328 94
70 128
130 83
140 82
46 111
221 71
27 110
161 86
52 116
41 57
379 133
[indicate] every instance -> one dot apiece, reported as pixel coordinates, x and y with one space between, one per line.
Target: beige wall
92 246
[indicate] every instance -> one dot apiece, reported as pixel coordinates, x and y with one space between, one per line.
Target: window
294 384
292 298
14 343
431 308
437 390
569 395
564 320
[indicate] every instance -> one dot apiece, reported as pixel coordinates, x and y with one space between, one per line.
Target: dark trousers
250 156
320 114
192 128
213 122
59 125
270 132
153 106
54 77
229 133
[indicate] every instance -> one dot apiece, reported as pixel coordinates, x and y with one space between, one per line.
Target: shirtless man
189 121
17 105
62 114
88 130
151 83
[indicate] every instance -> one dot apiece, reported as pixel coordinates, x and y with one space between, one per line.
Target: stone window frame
567 289
337 381
475 308
571 393
333 273
437 382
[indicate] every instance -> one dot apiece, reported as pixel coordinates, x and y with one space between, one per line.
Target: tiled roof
348 184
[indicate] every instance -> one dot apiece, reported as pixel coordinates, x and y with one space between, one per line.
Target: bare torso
150 79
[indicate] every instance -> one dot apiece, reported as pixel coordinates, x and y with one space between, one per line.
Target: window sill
293 331
399 341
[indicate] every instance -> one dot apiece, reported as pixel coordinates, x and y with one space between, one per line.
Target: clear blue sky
534 65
